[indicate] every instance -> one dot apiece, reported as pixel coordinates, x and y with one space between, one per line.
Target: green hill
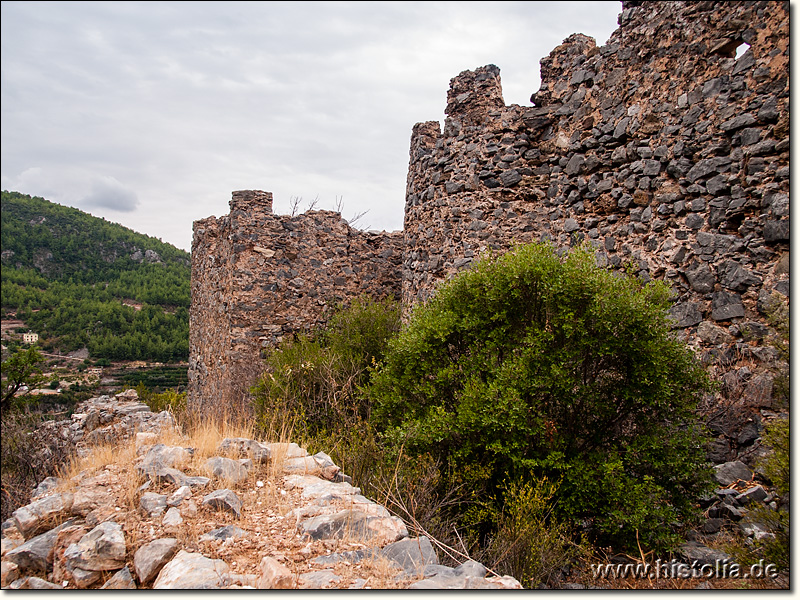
81 281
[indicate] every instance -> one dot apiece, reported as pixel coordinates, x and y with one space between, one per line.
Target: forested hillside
81 281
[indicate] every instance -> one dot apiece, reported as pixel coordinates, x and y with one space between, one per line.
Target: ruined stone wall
257 277
661 149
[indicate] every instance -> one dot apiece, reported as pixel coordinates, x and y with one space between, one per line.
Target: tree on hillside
20 372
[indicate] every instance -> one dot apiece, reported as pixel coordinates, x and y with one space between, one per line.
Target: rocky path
148 508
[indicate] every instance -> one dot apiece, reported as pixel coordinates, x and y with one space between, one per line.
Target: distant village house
30 337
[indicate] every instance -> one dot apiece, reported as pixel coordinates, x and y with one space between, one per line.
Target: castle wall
258 277
660 149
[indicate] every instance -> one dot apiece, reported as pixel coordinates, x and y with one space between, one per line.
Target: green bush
312 383
527 541
534 363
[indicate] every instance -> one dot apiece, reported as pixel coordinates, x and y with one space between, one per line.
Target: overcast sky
150 113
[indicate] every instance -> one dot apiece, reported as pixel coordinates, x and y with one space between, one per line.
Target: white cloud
155 112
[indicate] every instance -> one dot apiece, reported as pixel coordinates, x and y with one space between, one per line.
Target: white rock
190 570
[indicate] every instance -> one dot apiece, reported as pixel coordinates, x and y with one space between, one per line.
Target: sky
151 113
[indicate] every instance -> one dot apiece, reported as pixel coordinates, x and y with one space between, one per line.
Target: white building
30 337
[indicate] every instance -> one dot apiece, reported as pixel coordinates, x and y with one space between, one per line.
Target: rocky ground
146 507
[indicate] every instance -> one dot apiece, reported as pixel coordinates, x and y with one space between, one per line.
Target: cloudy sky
150 113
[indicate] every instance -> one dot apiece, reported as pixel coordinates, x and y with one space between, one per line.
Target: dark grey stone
412 555
725 305
753 330
694 221
571 225
575 164
694 551
510 178
719 451
712 525
734 277
749 434
731 472
743 120
701 278
686 314
776 231
753 494
224 500
717 185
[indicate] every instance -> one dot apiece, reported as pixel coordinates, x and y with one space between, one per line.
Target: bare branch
294 202
313 203
339 204
352 221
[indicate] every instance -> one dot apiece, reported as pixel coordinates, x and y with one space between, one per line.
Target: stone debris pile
252 516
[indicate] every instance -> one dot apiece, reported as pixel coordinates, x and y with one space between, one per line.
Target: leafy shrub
527 541
533 363
171 400
313 381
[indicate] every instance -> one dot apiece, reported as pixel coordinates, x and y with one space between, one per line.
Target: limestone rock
10 572
33 583
66 537
189 570
102 549
172 519
87 499
224 500
355 525
40 515
153 504
150 558
182 493
36 554
274 576
46 485
226 469
84 579
315 580
161 455
245 448
412 555
121 580
223 533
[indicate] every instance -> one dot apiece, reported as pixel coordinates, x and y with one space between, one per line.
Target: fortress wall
660 149
258 277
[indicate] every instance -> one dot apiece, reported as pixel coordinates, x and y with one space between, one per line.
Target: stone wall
661 149
258 277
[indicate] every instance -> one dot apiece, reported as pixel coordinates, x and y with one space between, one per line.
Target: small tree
530 364
21 372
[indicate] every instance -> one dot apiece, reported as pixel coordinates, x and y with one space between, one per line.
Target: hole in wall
741 49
